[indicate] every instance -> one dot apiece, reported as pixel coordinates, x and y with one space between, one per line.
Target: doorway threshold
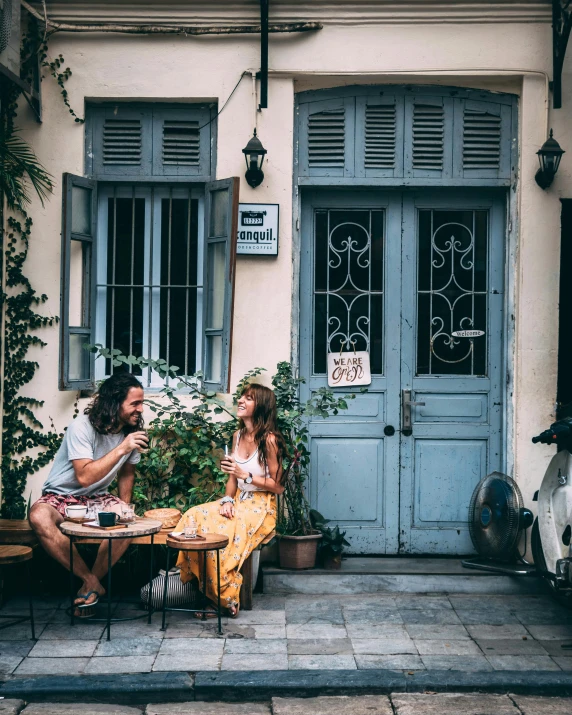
359 574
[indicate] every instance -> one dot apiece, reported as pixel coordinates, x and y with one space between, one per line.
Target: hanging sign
468 333
349 369
257 229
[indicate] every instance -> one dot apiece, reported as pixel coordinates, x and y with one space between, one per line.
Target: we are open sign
349 369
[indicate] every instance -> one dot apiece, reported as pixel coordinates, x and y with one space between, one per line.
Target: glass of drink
128 512
190 529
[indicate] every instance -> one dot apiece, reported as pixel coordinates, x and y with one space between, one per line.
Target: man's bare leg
45 521
118 549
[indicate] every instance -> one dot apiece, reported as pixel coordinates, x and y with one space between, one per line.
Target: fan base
492 566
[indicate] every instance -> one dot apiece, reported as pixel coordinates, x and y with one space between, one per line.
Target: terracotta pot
298 552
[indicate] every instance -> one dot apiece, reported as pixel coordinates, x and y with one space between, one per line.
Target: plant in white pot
298 538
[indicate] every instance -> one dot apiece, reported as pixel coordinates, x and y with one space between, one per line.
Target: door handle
406 404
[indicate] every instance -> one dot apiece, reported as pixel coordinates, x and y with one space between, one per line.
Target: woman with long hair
247 512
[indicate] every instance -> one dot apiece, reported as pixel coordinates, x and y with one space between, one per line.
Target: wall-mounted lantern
549 156
254 154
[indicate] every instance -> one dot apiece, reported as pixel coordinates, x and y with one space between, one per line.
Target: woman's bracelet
226 500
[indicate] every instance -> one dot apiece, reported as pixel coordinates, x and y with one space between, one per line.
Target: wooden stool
209 542
10 555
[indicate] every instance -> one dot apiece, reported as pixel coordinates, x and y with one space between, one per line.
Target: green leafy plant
333 540
26 445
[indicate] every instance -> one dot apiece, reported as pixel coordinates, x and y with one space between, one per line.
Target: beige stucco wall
506 57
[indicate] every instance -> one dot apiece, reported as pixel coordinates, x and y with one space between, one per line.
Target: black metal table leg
109 547
72 599
205 600
149 604
218 590
30 601
164 588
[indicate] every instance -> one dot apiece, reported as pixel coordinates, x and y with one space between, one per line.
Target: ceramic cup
76 511
107 518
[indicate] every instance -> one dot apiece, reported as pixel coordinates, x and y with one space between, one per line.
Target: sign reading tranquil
257 229
349 369
467 333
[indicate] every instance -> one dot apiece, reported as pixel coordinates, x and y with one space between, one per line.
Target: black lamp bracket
561 26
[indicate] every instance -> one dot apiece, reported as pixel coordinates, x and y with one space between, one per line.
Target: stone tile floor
385 630
393 704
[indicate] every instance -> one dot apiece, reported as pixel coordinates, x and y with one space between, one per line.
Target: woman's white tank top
253 466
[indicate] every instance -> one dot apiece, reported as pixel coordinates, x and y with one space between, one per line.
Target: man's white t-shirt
82 441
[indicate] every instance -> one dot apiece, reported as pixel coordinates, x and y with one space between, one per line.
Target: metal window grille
149 277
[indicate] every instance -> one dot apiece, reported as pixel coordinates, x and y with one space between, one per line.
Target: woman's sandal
209 613
233 612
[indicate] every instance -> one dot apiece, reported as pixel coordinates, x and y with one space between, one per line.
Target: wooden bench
17 531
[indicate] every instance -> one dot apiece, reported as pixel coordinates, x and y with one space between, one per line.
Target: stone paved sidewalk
398 703
388 631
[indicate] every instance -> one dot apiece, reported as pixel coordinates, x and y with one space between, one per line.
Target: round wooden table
78 532
207 542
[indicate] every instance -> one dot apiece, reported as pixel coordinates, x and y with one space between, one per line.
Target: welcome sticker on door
349 369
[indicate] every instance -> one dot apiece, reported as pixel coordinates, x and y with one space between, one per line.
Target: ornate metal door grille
452 292
348 284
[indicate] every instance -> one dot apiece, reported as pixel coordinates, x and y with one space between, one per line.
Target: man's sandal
85 596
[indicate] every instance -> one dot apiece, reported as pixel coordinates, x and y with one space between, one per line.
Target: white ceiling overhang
351 12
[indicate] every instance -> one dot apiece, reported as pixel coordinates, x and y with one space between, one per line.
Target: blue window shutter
429 136
122 141
78 278
327 138
379 136
221 225
483 139
182 141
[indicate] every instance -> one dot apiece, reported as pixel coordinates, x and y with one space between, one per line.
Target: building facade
402 142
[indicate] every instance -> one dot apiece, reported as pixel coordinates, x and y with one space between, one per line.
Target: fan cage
494 517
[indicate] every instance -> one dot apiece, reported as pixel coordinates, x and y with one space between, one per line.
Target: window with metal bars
149 276
148 270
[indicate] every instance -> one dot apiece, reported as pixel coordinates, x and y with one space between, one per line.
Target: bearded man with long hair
247 512
102 444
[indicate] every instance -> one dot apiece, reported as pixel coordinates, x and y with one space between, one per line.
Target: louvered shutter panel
428 136
484 138
481 140
326 139
122 141
182 141
380 136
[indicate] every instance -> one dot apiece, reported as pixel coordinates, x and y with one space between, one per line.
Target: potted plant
332 543
298 536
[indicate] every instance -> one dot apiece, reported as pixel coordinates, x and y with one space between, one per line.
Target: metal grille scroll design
452 292
348 287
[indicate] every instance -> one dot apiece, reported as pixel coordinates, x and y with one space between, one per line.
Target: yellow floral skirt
254 520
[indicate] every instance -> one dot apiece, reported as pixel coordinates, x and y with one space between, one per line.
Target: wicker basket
168 517
298 552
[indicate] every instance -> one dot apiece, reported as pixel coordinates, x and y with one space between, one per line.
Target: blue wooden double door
416 278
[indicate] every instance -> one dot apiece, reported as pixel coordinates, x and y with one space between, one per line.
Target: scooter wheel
540 562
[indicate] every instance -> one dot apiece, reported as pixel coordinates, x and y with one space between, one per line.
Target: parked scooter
552 529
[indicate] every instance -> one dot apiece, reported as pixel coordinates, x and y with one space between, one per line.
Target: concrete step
360 574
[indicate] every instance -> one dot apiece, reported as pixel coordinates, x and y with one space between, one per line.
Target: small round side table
210 542
140 527
18 555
